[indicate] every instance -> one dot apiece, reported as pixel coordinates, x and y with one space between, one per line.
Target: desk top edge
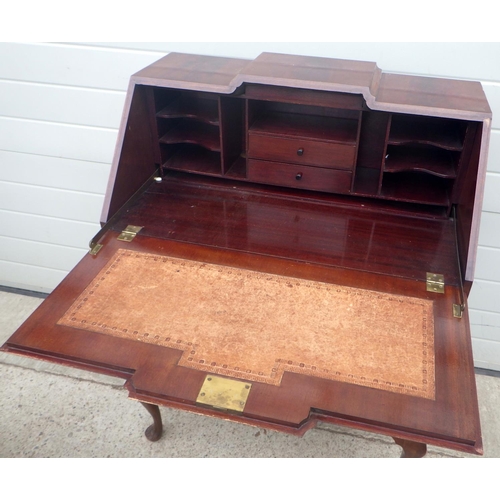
382 91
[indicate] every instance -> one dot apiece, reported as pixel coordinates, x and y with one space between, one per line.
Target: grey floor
52 411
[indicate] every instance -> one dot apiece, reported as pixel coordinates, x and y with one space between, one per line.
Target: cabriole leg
154 431
411 449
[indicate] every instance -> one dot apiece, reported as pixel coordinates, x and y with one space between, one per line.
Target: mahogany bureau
285 241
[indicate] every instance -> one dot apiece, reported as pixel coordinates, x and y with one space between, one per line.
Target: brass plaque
224 393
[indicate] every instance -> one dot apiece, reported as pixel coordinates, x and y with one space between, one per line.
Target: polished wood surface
382 91
155 430
299 176
311 227
154 375
136 159
312 168
351 85
249 242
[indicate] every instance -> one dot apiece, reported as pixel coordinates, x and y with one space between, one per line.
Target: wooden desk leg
154 431
411 449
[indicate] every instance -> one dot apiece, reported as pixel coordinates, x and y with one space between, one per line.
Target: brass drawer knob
299 176
300 151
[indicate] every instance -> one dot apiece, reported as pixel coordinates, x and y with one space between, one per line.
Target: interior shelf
323 128
195 159
204 110
416 187
434 161
405 158
193 132
438 132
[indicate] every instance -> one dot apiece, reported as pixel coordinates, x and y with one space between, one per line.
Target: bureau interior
317 228
346 163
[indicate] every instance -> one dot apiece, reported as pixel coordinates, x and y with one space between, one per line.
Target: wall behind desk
60 108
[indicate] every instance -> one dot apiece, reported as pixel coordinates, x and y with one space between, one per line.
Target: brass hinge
435 283
94 249
224 393
458 310
129 233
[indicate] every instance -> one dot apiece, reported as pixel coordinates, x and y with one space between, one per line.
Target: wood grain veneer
282 184
226 322
154 375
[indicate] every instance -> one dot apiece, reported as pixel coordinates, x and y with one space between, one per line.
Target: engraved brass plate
435 283
129 233
224 393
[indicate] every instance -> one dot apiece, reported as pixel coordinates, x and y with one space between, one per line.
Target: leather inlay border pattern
256 326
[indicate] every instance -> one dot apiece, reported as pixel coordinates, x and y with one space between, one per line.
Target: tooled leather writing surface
359 250
255 326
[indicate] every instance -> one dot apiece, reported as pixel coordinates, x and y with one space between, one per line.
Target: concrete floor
52 411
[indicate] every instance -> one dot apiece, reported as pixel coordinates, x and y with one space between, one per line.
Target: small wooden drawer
299 176
302 151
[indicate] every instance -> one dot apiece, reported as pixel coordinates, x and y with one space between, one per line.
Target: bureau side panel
134 160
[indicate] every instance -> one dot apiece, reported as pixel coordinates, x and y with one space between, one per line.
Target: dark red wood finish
290 224
319 169
153 375
299 176
137 154
301 151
